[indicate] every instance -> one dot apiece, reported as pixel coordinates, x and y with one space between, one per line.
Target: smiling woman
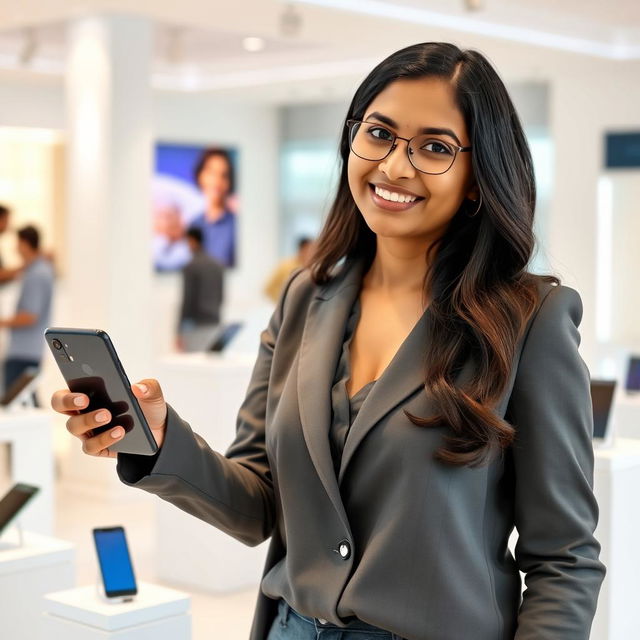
418 393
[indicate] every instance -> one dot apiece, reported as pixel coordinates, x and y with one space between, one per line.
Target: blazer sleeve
555 510
233 492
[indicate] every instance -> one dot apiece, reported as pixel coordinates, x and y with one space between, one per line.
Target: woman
215 176
411 404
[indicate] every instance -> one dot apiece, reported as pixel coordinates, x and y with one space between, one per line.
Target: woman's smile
393 198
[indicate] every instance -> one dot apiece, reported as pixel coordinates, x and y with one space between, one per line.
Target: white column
108 264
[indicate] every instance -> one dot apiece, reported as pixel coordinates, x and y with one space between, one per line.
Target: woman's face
214 179
404 108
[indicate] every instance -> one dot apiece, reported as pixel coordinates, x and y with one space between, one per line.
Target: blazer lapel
319 352
403 376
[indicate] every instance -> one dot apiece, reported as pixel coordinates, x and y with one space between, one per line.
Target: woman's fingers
80 425
63 401
99 445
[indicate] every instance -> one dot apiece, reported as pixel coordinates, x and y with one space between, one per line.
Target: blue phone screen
114 559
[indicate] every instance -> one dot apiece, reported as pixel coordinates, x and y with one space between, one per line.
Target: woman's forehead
414 103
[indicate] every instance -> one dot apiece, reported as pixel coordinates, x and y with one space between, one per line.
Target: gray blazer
414 546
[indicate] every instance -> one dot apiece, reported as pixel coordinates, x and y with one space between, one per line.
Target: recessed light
253 44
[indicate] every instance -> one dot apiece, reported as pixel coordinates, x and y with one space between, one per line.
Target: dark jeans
13 369
291 625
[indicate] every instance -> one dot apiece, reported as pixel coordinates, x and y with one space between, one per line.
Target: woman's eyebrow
443 131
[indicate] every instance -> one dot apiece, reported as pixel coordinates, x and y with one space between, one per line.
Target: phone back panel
90 365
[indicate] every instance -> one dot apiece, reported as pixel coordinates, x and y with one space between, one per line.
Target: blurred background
125 123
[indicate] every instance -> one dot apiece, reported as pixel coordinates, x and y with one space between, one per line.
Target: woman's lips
389 205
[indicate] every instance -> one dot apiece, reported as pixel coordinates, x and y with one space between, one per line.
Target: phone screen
115 562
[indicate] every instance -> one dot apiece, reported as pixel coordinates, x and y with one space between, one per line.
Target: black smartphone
115 562
90 365
14 501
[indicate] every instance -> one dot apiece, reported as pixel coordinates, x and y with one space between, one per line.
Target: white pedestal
627 415
206 391
156 613
617 487
41 565
29 434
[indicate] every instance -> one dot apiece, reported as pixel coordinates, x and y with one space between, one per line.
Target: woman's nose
397 164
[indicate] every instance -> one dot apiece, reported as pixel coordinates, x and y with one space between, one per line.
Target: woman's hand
152 403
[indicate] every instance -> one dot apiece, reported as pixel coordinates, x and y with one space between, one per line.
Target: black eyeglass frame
351 123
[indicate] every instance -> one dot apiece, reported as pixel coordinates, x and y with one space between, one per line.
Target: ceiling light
252 44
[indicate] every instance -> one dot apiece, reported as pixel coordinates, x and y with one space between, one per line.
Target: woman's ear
473 193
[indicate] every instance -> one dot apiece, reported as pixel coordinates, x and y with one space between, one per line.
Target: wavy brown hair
482 295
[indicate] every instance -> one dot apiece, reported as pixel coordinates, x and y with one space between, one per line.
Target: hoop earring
471 215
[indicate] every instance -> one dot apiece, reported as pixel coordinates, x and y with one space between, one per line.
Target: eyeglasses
372 141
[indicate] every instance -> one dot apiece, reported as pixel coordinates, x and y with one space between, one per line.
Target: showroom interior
103 105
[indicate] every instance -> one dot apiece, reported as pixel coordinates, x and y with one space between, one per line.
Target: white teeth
392 196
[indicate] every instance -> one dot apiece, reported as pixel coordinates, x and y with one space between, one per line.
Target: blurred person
33 309
417 396
214 174
202 296
170 247
285 267
6 275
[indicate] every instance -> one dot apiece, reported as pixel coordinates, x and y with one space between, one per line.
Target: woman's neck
214 211
398 268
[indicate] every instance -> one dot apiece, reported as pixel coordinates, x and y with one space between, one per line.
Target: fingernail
142 387
78 401
116 433
102 416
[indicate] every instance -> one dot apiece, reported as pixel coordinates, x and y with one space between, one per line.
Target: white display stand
27 572
156 613
617 487
206 390
29 434
627 415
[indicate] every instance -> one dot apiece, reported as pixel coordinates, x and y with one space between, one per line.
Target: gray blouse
345 409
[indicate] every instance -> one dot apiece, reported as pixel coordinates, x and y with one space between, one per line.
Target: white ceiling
198 43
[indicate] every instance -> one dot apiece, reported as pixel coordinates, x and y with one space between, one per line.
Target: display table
27 572
617 487
206 390
156 613
29 435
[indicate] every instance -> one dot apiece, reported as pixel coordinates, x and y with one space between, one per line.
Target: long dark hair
482 295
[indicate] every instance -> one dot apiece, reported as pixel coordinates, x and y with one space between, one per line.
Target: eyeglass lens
372 141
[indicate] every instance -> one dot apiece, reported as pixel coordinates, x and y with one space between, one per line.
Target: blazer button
344 549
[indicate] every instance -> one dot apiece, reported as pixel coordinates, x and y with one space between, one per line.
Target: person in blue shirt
215 176
33 309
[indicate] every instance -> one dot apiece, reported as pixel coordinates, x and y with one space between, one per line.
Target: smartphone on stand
118 578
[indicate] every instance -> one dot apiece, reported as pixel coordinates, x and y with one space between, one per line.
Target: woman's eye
437 147
380 133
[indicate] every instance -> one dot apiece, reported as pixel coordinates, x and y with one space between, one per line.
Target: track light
473 5
28 48
290 21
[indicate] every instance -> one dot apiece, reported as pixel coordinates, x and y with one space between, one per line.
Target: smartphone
90 365
14 501
115 562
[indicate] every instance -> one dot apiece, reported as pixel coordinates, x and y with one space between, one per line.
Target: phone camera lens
57 344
